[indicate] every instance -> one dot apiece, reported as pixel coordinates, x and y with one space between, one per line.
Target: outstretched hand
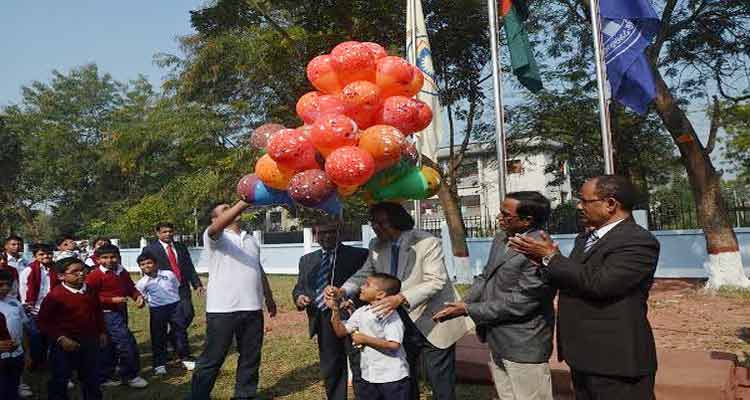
535 249
450 311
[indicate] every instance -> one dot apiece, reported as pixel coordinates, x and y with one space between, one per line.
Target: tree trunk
724 265
457 231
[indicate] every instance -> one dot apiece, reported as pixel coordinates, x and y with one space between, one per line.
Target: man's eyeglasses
580 199
79 273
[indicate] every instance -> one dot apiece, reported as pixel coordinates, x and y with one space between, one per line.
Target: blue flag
628 26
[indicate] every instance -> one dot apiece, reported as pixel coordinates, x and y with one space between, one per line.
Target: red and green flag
514 13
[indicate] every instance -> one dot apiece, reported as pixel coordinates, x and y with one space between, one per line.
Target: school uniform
77 315
385 374
162 293
11 363
34 283
19 263
14 285
109 284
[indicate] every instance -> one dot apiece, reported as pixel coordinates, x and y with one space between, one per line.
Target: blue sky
120 36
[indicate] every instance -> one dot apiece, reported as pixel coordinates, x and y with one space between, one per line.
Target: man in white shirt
237 286
13 248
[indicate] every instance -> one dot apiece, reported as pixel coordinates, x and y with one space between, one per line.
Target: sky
121 37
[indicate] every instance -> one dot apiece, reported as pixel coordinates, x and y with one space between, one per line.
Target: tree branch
254 4
664 32
714 129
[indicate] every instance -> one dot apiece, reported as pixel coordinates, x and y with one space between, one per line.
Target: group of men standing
602 287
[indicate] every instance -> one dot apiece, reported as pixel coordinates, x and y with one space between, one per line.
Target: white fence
683 253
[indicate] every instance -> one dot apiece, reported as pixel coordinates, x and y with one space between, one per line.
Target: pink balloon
310 187
322 73
377 50
407 114
356 62
313 104
292 150
350 166
331 131
263 133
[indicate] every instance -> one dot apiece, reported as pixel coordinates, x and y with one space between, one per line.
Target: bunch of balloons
355 135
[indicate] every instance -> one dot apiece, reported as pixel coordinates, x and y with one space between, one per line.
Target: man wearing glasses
511 304
333 264
603 332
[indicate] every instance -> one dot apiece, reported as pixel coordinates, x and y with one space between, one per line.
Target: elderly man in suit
416 258
174 256
333 263
511 304
603 330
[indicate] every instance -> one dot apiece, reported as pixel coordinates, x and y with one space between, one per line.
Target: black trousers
246 327
163 318
603 387
10 377
187 313
439 364
84 361
333 360
399 390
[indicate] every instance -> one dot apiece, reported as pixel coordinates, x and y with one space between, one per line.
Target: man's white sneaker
189 365
138 382
111 383
71 385
160 370
24 392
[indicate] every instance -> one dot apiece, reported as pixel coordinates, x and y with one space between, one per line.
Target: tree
10 165
701 44
736 122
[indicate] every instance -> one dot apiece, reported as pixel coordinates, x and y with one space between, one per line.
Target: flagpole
609 164
413 55
497 75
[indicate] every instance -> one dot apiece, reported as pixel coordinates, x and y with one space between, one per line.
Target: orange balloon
384 143
306 130
271 174
355 62
349 166
407 114
377 50
396 77
314 104
362 100
331 131
292 150
322 73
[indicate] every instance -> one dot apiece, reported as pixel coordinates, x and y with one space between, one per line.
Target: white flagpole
412 15
497 75
601 78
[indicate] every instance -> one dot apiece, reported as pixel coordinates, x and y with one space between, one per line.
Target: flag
627 29
514 13
429 138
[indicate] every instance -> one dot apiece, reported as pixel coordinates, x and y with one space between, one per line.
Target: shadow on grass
295 381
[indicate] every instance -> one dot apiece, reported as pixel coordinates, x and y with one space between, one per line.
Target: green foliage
736 122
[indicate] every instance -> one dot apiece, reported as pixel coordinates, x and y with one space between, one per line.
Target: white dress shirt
379 366
15 319
159 290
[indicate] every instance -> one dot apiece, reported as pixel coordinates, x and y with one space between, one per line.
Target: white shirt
606 228
44 287
81 290
160 290
19 263
59 255
378 366
15 319
234 272
165 245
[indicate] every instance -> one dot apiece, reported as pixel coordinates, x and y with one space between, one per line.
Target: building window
514 166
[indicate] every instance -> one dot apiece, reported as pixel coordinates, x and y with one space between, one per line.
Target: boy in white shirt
383 362
12 339
161 290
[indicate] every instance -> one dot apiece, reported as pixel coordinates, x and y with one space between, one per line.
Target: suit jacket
511 303
424 283
189 276
348 261
602 323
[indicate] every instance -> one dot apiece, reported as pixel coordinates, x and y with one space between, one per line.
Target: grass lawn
289 368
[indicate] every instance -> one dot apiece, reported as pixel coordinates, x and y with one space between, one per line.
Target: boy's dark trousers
399 390
121 346
84 361
161 320
39 344
10 376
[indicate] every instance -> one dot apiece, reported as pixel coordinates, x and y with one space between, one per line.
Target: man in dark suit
334 262
174 256
511 304
603 331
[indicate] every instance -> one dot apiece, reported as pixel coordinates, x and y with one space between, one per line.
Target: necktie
394 258
173 263
322 280
590 241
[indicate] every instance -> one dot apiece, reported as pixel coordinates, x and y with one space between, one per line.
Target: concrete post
307 239
258 235
641 218
367 235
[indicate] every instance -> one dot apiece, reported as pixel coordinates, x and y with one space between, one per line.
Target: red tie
173 262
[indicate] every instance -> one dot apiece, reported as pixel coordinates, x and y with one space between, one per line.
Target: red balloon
263 133
362 100
396 77
407 114
310 187
384 143
292 150
313 104
409 152
322 73
332 131
350 166
377 50
306 130
356 62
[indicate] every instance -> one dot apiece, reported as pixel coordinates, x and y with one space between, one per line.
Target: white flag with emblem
428 139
